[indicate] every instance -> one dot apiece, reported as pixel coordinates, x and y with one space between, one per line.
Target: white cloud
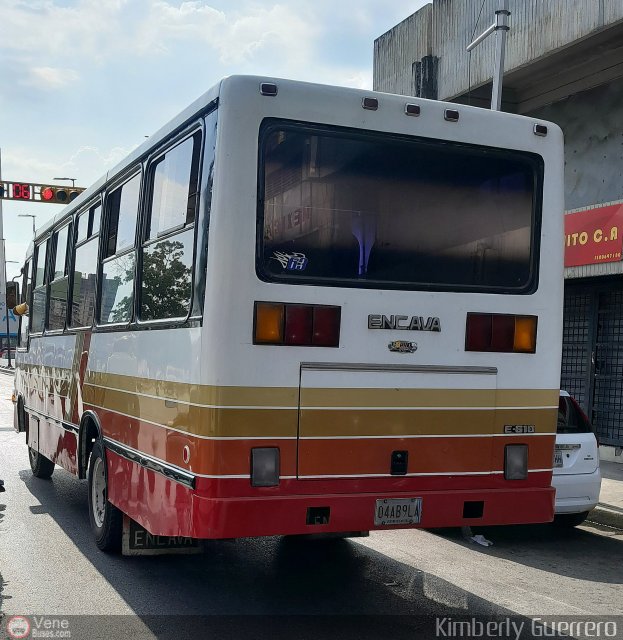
51 77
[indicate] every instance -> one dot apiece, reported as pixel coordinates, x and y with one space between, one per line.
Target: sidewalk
609 511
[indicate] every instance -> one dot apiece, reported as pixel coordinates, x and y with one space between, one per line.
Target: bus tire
41 466
106 520
570 519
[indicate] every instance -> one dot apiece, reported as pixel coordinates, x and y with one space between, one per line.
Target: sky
85 81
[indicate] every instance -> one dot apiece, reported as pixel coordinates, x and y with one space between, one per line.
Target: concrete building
564 63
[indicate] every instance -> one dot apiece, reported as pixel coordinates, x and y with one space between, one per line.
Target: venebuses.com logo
18 627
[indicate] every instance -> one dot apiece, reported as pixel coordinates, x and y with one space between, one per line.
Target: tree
167 281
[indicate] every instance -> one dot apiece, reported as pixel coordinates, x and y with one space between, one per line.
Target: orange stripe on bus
434 455
207 457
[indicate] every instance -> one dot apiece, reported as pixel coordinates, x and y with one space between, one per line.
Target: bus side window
167 265
39 294
25 319
82 298
59 276
117 290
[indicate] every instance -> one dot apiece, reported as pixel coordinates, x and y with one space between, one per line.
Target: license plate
557 459
389 511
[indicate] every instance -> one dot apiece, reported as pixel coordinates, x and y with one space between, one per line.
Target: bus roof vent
268 88
412 109
451 115
370 103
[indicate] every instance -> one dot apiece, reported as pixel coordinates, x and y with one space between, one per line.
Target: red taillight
296 325
326 327
584 417
299 322
501 333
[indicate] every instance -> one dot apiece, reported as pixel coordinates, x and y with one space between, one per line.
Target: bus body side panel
44 378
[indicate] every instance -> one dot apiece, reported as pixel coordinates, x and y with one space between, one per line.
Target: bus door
381 421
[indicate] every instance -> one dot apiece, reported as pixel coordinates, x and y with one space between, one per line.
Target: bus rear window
347 208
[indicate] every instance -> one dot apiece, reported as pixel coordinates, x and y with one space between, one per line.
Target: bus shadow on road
294 584
575 552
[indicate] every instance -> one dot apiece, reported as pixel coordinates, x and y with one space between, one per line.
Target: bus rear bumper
165 507
291 515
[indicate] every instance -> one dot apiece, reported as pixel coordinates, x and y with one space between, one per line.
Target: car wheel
570 519
106 519
41 466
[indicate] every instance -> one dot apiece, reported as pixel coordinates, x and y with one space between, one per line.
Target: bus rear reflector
296 325
501 333
265 467
515 461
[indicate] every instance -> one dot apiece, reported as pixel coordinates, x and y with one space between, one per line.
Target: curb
607 515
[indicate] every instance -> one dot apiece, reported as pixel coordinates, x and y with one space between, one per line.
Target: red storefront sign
594 235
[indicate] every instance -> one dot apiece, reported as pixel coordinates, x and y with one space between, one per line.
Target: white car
577 478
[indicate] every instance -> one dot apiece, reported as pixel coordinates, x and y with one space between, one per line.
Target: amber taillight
500 333
296 324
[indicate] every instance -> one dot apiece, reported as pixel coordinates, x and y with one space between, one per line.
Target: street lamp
29 215
73 180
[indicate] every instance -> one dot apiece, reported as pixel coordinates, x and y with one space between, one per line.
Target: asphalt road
277 587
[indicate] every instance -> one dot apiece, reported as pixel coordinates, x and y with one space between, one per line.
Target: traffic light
59 195
12 294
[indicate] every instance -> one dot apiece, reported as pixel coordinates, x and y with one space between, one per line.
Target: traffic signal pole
3 282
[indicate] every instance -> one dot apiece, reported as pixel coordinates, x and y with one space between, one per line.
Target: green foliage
166 281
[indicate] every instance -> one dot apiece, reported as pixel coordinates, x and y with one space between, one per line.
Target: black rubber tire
570 519
108 535
41 466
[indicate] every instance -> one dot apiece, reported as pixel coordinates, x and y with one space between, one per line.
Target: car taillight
500 333
587 423
296 325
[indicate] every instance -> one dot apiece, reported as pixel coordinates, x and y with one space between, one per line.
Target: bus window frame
27 298
136 169
67 223
152 161
85 209
534 160
45 239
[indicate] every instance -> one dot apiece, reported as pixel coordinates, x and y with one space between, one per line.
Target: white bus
301 309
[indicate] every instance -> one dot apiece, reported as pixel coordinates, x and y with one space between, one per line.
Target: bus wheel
106 519
41 466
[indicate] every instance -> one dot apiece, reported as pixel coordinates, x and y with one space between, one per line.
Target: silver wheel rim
98 492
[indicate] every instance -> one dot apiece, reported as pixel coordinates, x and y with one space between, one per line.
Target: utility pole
500 28
3 279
